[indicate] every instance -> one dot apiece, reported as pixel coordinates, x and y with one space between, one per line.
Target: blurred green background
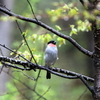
70 58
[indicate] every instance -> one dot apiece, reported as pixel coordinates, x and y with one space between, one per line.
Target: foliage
68 11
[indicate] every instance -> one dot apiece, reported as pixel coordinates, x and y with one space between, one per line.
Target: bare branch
87 5
86 52
12 92
56 71
3 65
14 66
32 10
86 84
71 73
37 79
44 93
26 43
82 2
82 94
31 78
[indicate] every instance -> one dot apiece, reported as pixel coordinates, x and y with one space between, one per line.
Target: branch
86 52
87 85
23 35
32 10
72 73
88 5
82 2
16 53
31 66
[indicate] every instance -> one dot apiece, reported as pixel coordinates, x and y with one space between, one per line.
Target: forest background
55 14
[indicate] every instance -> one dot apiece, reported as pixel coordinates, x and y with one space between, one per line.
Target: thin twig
25 75
2 65
26 42
82 94
37 79
39 71
87 85
21 93
32 10
28 87
44 93
12 92
4 6
14 55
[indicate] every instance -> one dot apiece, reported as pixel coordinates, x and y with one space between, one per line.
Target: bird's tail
48 76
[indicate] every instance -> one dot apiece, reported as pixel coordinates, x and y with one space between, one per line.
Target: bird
51 55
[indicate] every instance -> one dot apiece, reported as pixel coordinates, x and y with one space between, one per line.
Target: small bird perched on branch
51 55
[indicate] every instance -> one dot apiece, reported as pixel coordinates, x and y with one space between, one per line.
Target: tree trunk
97 62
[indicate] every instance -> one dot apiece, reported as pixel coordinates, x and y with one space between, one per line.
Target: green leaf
61 41
73 30
58 27
66 6
34 37
83 25
73 12
25 33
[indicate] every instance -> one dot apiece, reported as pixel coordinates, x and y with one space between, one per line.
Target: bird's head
52 43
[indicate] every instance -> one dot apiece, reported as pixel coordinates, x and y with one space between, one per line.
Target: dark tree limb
87 5
82 2
71 73
96 61
56 71
80 48
87 85
17 54
31 66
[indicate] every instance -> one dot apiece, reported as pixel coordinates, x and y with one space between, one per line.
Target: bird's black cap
53 42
